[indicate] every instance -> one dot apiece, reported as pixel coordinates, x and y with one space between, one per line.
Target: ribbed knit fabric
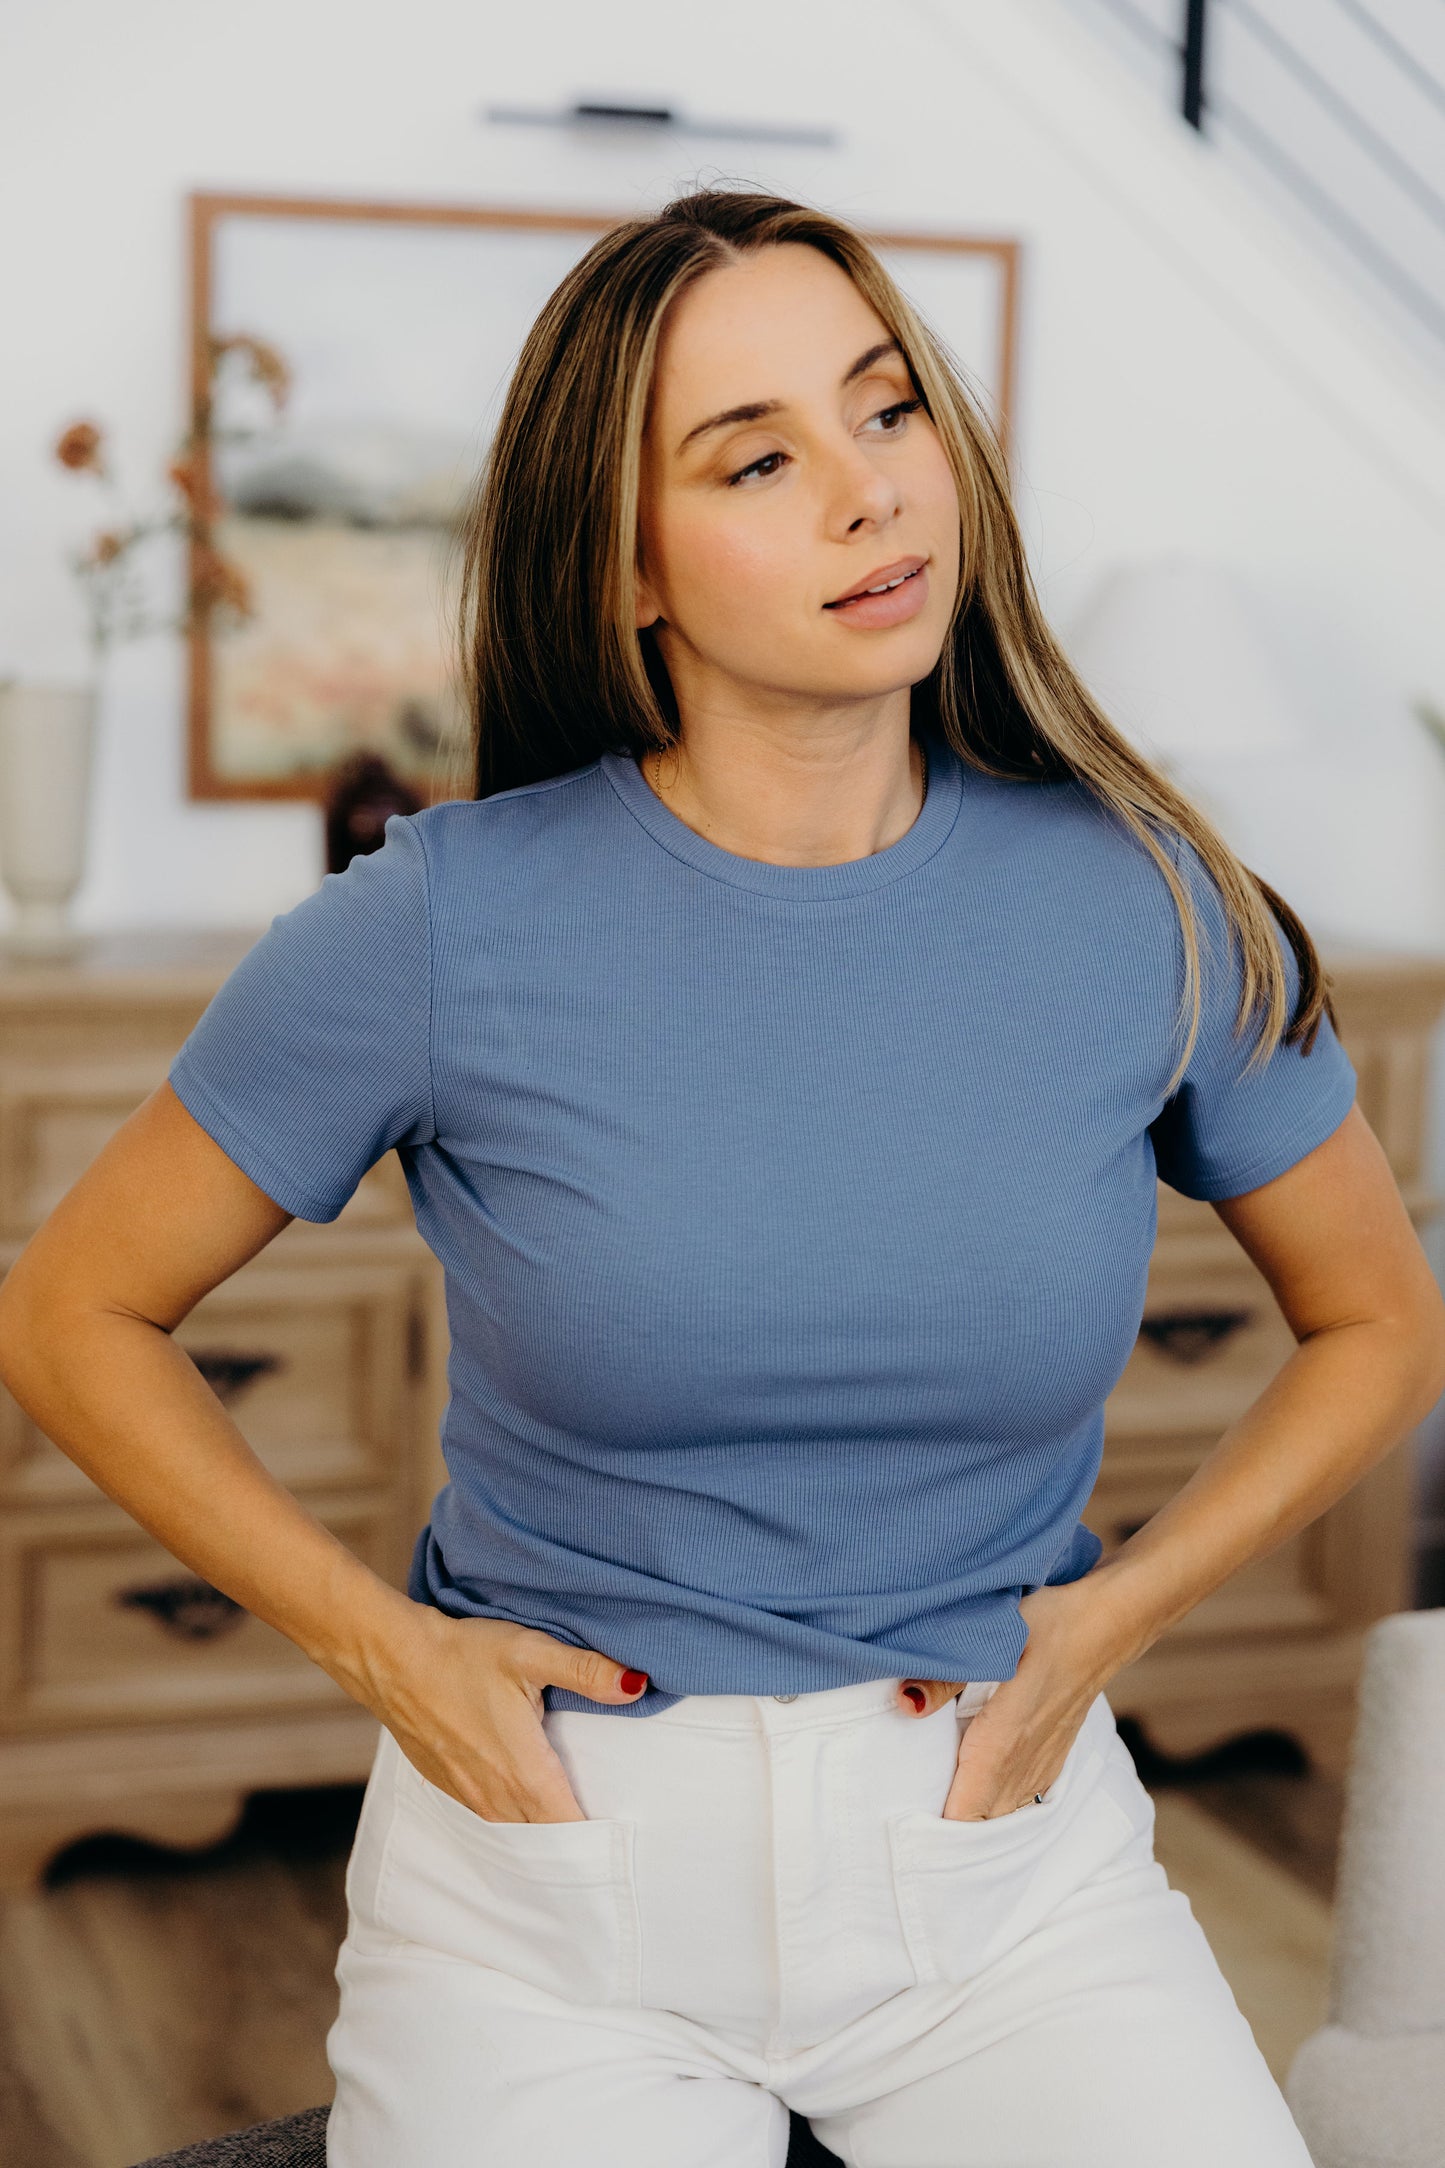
796 1219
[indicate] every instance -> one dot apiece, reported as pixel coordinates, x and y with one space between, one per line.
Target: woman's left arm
1337 1246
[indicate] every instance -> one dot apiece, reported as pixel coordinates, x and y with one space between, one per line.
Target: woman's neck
818 799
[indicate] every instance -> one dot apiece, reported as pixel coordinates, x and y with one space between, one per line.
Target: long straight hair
555 671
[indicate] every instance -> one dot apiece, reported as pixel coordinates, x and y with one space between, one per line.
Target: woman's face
786 465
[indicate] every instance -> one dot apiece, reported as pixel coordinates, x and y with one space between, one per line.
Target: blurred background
264 273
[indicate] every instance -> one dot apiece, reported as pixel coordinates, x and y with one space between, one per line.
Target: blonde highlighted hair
555 671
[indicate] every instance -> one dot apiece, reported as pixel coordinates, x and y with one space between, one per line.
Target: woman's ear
649 610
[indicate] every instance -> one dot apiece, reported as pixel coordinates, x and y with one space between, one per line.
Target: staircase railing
1346 163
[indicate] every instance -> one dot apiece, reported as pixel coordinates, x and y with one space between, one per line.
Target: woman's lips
893 607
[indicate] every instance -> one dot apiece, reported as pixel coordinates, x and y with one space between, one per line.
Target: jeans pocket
1130 1794
550 1903
967 1891
368 1846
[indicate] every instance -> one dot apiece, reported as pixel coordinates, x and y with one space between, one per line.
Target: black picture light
617 113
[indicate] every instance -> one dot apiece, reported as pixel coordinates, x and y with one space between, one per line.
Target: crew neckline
851 877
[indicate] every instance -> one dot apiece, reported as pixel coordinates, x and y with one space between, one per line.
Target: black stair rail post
1191 53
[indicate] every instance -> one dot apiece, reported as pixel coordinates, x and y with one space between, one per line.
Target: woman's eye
899 406
752 467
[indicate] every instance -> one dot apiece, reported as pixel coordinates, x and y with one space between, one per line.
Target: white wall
1189 377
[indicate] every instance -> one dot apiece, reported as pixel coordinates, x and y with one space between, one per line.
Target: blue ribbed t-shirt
795 1220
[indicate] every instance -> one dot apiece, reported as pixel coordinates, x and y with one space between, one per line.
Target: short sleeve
1224 1132
313 1057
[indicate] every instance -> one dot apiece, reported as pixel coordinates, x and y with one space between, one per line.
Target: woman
782 1045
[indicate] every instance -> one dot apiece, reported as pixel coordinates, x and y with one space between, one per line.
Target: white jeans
765 1910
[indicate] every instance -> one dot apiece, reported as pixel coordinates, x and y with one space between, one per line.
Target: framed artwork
348 363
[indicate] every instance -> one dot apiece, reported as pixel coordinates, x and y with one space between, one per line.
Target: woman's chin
825 679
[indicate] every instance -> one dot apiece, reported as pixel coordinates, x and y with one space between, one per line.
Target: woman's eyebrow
756 409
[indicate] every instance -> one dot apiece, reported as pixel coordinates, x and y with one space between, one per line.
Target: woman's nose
862 492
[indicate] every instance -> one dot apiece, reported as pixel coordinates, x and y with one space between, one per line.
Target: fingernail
917 1696
632 1682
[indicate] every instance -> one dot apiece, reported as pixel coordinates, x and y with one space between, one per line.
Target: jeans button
785 1697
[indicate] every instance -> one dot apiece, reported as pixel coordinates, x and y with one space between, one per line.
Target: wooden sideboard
133 1697
1279 1645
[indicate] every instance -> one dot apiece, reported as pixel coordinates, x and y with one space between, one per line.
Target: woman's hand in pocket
463 1700
1016 1743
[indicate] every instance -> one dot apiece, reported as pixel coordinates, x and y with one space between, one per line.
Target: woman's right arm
87 1312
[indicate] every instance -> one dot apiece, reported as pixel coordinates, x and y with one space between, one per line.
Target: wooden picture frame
316 574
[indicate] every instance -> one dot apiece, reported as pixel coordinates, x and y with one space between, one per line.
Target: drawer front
101 1625
1286 1592
54 1118
56 1115
1212 1337
317 1365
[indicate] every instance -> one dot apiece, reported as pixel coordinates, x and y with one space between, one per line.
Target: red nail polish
633 1681
917 1696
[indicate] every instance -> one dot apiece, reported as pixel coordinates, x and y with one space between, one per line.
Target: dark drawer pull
228 1372
187 1607
1187 1336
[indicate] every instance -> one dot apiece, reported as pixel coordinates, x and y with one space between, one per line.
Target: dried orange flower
114 595
79 446
214 579
195 487
264 364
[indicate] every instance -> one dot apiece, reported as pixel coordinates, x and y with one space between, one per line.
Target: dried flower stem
111 585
